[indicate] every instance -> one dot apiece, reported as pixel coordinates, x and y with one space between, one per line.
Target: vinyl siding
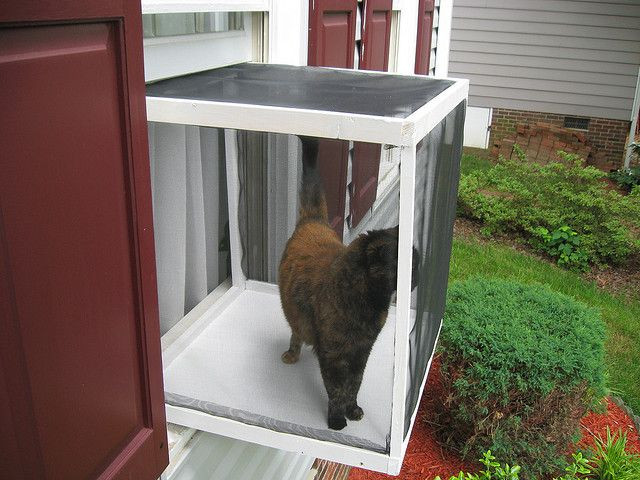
557 56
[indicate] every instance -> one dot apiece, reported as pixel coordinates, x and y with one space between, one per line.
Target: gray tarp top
311 88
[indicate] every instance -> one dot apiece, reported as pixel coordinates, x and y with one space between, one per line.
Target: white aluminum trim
178 6
443 43
233 195
306 446
405 443
193 323
403 298
634 122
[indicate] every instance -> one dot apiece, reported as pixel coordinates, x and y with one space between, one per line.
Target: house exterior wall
607 135
576 58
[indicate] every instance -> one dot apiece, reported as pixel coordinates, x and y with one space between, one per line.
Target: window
180 43
171 24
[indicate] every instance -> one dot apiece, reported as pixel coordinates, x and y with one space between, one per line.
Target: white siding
558 56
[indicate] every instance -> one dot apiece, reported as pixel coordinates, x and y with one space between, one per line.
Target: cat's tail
313 205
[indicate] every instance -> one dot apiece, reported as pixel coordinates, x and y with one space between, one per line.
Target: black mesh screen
313 88
437 174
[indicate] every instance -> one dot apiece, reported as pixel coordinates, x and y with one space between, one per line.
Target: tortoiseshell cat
335 297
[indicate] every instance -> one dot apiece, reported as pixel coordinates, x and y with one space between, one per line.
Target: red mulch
425 458
595 424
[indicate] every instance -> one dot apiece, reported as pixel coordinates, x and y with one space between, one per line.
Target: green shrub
626 177
519 197
565 245
520 366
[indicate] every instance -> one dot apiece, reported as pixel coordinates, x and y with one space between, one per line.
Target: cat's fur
335 297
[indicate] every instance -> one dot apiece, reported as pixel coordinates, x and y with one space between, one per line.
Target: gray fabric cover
312 88
271 423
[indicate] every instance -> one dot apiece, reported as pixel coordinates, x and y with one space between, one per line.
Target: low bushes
520 365
609 461
534 201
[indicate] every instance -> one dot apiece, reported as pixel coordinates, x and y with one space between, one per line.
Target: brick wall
606 135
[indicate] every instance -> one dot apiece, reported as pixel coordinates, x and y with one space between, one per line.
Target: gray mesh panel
437 174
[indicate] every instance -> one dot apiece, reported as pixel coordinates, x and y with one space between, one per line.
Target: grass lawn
472 162
622 317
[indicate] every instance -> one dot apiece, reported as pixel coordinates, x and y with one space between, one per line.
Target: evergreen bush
525 198
521 365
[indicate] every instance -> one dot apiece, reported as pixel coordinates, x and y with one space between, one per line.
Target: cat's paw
337 423
290 357
354 413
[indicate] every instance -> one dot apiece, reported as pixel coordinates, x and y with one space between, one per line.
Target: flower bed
426 459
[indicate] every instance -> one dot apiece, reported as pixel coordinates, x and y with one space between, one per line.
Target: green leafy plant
518 197
626 177
579 466
612 461
493 470
520 366
564 244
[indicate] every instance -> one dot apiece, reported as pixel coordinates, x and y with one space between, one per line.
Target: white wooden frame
405 133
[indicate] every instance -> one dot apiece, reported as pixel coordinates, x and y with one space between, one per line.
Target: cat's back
313 246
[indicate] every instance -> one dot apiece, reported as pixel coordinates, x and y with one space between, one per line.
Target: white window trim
166 57
184 6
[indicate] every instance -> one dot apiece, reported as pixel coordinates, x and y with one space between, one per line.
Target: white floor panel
235 363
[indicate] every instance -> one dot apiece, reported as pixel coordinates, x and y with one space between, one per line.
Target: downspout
634 122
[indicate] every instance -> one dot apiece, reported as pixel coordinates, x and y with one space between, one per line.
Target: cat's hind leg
293 354
353 411
335 376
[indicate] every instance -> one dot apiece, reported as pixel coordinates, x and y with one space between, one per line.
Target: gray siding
559 56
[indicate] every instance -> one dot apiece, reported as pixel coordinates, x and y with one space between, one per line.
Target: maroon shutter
80 368
423 43
332 25
376 35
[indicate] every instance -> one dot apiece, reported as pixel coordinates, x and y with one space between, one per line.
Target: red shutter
332 25
376 35
333 157
423 43
80 369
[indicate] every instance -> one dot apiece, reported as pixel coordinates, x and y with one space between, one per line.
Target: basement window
222 362
576 123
